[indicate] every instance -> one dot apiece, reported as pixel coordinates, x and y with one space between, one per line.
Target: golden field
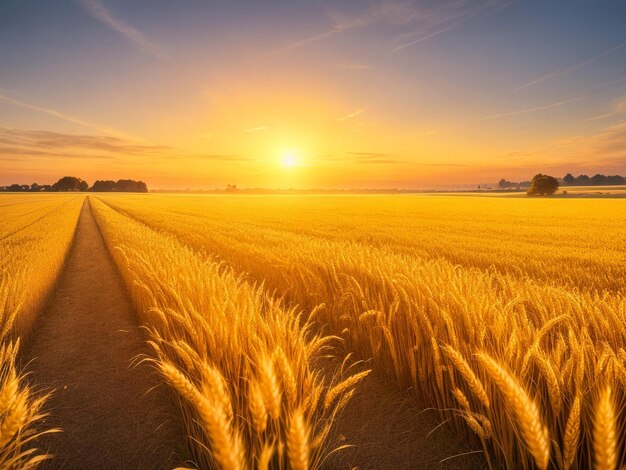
505 315
266 313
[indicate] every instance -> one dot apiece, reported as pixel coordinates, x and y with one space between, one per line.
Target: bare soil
386 431
112 411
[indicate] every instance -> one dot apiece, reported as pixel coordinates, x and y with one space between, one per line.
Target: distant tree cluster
72 183
543 185
596 180
126 186
504 184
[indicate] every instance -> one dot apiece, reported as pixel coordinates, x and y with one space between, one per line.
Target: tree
131 186
597 180
543 185
103 186
615 179
35 187
582 180
569 179
70 183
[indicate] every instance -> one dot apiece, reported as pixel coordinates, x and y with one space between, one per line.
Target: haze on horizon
311 94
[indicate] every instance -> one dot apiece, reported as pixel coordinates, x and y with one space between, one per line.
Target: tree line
595 180
72 183
570 180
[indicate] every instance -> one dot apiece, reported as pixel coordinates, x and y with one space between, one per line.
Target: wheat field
265 314
505 315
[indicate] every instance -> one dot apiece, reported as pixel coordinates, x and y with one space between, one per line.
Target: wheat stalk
468 374
226 445
524 408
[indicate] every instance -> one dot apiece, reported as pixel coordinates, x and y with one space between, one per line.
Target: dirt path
388 432
111 414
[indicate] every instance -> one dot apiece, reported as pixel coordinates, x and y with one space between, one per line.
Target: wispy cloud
18 144
315 38
618 108
601 151
99 11
18 154
421 39
609 84
257 129
517 112
572 68
342 22
606 143
57 114
420 20
352 114
4 91
431 20
34 143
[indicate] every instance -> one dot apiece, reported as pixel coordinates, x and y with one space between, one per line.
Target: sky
311 93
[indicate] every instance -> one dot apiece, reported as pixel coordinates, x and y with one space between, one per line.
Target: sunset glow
289 160
312 234
379 93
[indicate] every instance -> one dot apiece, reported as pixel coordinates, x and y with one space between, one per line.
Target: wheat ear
524 408
467 373
604 435
298 441
572 434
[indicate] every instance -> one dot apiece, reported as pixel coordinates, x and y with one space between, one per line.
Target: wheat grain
604 433
572 434
343 386
468 374
298 441
525 409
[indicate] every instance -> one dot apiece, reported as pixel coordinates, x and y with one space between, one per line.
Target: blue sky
375 93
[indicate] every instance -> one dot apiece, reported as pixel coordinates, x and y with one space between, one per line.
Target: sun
289 160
